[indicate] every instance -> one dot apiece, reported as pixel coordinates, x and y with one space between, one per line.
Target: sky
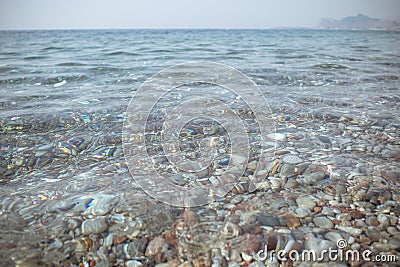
122 14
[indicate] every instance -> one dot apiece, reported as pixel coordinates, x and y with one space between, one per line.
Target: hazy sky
90 14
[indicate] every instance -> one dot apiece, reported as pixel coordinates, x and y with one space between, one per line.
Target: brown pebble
317 209
190 217
336 222
171 239
292 221
119 239
357 214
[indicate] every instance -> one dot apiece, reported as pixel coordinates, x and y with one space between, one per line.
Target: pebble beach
67 197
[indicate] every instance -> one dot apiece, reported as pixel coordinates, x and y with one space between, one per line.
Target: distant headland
359 22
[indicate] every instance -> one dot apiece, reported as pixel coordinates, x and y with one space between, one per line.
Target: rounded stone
94 226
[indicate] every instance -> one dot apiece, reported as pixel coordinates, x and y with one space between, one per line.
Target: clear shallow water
103 68
60 140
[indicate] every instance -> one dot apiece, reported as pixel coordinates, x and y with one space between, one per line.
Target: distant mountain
359 22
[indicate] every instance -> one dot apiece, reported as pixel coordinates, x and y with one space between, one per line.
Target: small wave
383 78
70 78
10 53
160 51
121 53
52 48
34 57
390 64
330 66
296 56
6 69
71 64
106 69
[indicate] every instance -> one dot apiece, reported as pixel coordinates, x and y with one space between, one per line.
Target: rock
333 236
340 189
394 244
256 264
235 255
233 264
350 230
133 263
324 139
390 153
292 221
302 212
311 178
94 226
318 245
323 222
268 220
383 220
137 247
252 165
108 241
165 265
277 136
104 204
237 160
157 247
287 170
291 159
305 202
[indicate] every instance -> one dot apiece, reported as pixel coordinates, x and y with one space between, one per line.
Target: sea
64 96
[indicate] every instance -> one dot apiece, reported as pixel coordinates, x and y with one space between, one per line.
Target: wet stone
268 220
291 159
305 202
133 263
287 170
94 226
323 222
137 247
333 236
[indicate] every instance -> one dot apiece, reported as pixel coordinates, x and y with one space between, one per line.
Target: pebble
340 189
311 178
277 136
137 247
383 220
165 265
268 220
292 159
305 202
235 255
372 221
104 204
318 245
133 263
292 221
287 170
156 246
351 230
323 222
333 236
302 212
94 226
237 159
324 139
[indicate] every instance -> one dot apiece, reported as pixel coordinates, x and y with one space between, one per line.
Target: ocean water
64 94
103 68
